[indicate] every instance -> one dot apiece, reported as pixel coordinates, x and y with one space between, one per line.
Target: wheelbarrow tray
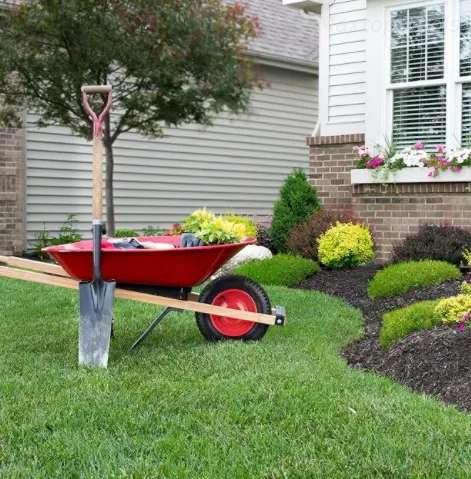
179 267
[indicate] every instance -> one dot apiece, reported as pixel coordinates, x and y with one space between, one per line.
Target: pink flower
419 146
430 175
374 163
441 148
362 151
457 169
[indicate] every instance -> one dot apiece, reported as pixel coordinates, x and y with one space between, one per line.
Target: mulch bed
434 361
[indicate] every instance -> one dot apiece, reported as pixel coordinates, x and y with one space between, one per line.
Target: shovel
96 298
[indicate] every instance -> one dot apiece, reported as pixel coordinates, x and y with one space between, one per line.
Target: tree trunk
110 224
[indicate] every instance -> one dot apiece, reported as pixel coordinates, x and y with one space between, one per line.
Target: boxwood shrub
399 278
404 321
281 270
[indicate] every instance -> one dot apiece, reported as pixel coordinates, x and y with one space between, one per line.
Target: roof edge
314 6
286 63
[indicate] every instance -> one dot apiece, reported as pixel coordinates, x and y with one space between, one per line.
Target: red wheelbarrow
230 307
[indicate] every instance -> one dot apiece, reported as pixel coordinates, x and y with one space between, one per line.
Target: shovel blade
96 317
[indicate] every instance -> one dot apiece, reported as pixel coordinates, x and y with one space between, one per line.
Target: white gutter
317 17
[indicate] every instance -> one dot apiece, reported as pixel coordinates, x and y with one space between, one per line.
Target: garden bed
434 361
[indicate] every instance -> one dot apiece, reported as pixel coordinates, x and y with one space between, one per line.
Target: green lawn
287 407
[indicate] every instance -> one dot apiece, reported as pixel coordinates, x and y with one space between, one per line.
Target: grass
399 278
286 407
281 270
404 321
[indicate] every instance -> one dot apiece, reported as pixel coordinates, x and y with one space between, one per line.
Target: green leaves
298 200
214 230
169 62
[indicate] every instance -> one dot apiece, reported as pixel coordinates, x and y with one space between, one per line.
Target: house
397 70
236 165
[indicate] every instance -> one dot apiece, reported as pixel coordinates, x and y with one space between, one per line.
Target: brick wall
330 162
11 191
397 210
394 210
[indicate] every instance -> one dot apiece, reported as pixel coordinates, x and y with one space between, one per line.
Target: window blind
418 44
465 38
419 114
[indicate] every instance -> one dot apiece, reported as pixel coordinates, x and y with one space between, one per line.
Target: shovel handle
97 145
96 88
97 178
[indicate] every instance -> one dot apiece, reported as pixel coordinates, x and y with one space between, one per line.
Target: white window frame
451 80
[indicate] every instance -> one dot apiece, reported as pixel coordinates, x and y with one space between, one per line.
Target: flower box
409 175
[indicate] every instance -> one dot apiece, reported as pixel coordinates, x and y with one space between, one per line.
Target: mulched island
435 361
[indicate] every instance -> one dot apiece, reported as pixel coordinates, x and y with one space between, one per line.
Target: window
429 84
418 75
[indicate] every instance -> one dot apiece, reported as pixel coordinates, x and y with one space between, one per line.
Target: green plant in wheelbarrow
210 229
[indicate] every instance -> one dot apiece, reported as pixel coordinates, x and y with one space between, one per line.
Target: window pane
417 26
466 116
465 38
399 28
419 114
418 44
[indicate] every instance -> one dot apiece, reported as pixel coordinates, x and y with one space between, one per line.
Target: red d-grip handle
97 119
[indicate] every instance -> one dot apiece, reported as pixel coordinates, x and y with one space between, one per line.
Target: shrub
298 200
400 278
264 238
151 231
451 310
125 233
281 270
250 226
302 239
440 242
465 288
68 233
263 233
175 230
402 322
42 239
346 246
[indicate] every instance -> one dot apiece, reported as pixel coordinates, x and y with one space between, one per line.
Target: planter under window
409 175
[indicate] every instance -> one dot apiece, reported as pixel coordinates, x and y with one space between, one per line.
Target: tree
169 62
298 200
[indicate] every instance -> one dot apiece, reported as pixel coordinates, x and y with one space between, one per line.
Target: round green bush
401 322
399 278
281 270
346 245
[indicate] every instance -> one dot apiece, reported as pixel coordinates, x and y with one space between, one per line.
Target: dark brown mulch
434 361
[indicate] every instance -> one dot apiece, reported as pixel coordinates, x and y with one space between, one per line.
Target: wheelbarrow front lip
86 246
177 267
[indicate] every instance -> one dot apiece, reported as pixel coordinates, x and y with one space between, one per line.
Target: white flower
415 158
460 156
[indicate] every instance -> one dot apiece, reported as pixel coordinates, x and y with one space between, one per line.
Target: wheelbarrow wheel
236 292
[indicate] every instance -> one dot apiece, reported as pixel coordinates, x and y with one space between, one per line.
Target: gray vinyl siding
236 165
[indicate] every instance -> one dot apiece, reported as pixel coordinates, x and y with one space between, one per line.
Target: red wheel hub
234 299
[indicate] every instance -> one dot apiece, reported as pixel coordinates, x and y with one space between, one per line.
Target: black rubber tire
257 293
